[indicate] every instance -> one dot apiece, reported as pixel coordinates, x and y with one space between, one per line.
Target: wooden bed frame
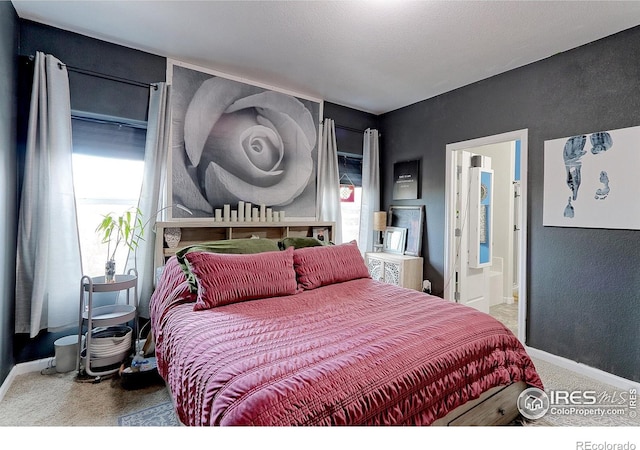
497 406
205 230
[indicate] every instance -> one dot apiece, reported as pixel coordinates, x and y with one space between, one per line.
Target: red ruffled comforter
354 353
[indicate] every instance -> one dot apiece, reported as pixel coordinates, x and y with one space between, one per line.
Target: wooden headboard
194 231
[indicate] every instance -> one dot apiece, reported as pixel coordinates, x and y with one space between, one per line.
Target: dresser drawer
399 270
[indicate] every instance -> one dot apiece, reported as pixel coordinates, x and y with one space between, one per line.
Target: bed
303 336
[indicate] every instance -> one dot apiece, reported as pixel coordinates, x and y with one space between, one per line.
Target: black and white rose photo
233 141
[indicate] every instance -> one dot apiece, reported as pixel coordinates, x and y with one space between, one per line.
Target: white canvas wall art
593 180
233 141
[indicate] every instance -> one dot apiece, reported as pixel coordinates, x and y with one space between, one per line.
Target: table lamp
379 225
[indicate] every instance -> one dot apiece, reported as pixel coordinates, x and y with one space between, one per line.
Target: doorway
459 279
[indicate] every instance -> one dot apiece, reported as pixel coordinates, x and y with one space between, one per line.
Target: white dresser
400 270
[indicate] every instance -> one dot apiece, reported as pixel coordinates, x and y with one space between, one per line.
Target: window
108 162
350 172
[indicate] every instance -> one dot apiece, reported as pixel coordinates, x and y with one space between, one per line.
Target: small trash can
66 353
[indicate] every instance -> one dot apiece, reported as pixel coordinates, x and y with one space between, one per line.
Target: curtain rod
101 75
355 130
108 77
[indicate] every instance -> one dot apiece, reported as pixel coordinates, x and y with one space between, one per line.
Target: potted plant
115 230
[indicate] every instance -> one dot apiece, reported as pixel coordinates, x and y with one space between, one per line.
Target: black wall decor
406 180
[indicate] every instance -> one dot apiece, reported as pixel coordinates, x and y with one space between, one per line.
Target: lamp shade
379 220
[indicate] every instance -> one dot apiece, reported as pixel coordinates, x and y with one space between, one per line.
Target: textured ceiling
375 56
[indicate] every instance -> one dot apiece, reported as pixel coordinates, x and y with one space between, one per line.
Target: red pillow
223 279
328 264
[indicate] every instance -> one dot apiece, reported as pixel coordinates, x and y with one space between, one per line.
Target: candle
276 217
269 215
241 211
256 215
234 216
227 213
282 216
247 212
218 215
263 213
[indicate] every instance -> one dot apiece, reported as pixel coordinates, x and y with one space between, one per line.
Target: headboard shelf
195 231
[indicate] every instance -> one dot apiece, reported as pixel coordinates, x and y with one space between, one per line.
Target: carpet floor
49 398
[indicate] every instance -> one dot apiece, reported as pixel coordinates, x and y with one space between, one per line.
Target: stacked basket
110 345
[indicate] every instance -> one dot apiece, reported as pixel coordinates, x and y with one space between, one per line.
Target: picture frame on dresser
412 218
395 239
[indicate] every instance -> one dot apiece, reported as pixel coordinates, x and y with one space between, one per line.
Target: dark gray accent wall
584 284
90 93
8 198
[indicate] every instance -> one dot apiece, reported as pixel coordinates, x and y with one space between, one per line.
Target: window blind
109 139
350 169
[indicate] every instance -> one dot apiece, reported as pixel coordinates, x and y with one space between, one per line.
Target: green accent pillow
300 242
231 246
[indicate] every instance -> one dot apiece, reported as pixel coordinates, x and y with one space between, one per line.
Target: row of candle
247 212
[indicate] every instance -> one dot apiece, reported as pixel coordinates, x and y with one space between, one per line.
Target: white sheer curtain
328 196
48 266
370 188
153 183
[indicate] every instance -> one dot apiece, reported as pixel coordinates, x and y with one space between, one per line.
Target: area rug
161 415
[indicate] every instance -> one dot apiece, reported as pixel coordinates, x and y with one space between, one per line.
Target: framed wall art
236 141
406 180
591 180
412 218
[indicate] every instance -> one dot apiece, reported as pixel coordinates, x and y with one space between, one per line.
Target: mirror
394 240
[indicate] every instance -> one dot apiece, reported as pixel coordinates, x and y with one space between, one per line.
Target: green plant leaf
126 229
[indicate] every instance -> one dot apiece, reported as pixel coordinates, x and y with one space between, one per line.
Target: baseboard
21 369
584 370
503 301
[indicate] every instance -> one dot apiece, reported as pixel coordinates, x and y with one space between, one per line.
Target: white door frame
450 218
